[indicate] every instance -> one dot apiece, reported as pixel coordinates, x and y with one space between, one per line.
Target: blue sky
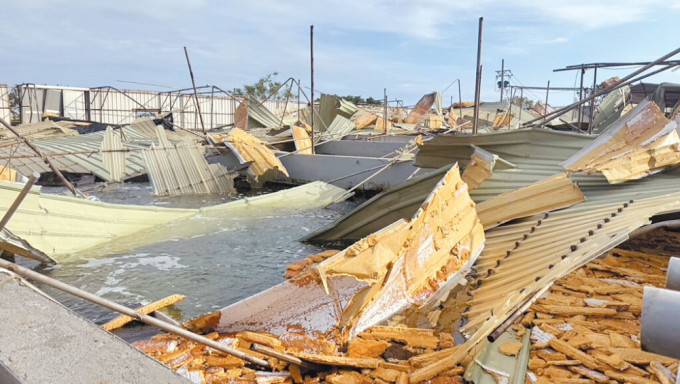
361 46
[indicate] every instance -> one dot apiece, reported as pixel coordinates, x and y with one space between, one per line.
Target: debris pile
587 327
380 354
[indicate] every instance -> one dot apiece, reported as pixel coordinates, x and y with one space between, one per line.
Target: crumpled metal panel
182 169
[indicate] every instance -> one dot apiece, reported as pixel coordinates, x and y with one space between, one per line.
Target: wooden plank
156 305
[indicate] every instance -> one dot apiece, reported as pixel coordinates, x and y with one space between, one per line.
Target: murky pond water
238 257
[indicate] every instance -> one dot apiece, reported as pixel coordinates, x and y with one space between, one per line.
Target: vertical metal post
311 65
385 112
547 92
502 77
298 101
212 106
521 103
460 101
193 83
479 76
512 96
580 97
592 103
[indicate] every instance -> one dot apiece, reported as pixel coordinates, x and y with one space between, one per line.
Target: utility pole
502 77
311 56
478 80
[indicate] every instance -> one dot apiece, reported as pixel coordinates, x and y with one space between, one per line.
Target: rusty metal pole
311 66
45 158
193 83
580 97
24 191
478 76
298 101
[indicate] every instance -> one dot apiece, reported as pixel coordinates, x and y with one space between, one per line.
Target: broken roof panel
639 143
479 168
182 169
610 108
543 196
331 106
258 115
422 108
264 165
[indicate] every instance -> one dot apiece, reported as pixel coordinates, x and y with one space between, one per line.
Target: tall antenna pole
311 56
502 77
193 83
479 76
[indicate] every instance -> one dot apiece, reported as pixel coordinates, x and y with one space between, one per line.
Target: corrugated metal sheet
79 154
113 161
84 150
548 146
330 107
340 127
182 169
258 112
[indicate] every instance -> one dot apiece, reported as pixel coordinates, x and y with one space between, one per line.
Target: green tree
266 87
14 104
523 101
